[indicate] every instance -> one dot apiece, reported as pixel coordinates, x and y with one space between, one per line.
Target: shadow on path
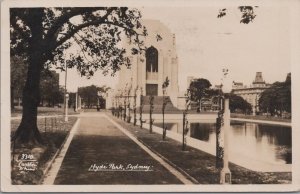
99 142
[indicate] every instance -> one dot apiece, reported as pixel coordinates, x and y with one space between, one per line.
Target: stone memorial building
150 69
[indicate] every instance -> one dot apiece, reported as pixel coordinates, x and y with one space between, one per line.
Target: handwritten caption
27 162
120 167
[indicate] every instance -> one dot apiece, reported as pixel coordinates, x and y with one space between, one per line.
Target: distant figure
74 108
98 107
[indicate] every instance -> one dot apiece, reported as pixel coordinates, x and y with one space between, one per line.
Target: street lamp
226 88
99 94
66 96
185 122
66 107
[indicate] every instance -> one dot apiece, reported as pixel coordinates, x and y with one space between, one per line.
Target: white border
294 6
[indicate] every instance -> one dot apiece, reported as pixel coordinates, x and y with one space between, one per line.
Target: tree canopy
199 88
276 98
50 90
94 31
17 77
90 97
85 38
239 104
248 14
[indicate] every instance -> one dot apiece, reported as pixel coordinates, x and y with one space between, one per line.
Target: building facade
149 70
252 93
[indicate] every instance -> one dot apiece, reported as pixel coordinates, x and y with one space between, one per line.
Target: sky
206 44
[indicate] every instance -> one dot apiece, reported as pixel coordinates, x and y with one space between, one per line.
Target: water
258 142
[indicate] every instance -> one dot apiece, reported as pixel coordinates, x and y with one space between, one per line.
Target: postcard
150 96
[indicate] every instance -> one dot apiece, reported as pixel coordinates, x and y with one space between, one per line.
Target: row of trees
44 34
274 100
201 89
51 93
277 98
91 95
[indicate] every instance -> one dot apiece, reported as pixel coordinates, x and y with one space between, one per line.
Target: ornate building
150 69
252 93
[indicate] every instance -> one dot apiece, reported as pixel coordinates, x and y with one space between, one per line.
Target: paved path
98 142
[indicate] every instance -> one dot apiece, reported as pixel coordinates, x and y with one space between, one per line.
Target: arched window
152 59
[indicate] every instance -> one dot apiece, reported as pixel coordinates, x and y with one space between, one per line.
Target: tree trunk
199 106
12 98
27 131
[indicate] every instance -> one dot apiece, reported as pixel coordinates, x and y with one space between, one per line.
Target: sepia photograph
150 96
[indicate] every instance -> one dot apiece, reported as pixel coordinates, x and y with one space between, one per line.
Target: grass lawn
260 117
42 111
53 133
201 165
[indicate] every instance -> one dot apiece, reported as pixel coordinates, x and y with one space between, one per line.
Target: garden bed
29 161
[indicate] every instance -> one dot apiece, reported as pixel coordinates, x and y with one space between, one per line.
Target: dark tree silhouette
89 95
44 35
199 88
277 98
17 78
237 103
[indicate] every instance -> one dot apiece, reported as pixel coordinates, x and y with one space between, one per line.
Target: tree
199 88
89 95
248 14
134 105
49 87
18 69
277 98
45 34
237 103
141 107
164 88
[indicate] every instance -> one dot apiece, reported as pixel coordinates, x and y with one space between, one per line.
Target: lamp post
66 96
99 95
185 127
76 101
66 107
225 127
164 88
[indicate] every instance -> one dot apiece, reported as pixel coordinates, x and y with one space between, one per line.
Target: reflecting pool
254 141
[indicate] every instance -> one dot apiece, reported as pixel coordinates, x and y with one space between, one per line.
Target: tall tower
258 78
150 69
258 81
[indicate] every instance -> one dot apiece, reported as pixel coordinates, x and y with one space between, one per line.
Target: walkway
100 153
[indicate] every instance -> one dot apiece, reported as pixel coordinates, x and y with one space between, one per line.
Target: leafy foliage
277 98
94 31
199 88
18 70
166 83
248 14
89 95
222 12
85 38
49 87
237 103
